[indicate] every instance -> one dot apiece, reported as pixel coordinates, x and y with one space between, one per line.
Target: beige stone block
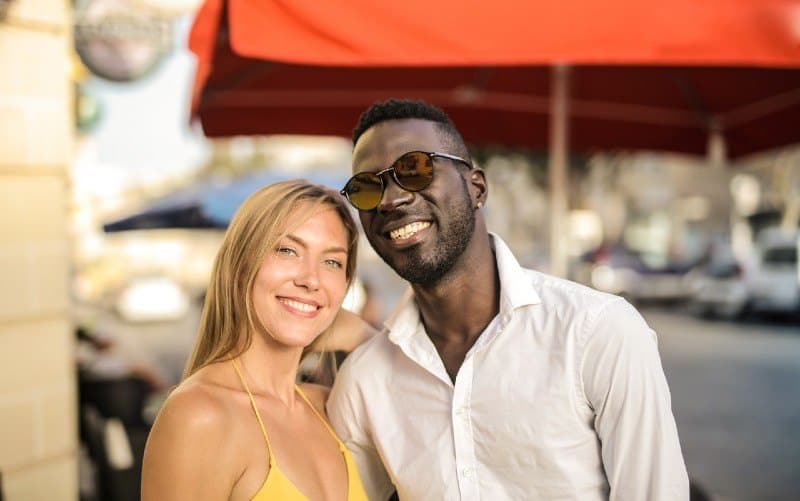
35 132
18 431
60 420
38 409
35 279
32 209
37 357
13 132
54 480
35 63
34 252
41 13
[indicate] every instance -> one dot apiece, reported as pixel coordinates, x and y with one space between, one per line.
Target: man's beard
427 270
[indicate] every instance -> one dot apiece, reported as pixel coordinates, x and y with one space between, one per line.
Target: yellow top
277 485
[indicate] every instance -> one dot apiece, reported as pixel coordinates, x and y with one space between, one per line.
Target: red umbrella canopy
644 75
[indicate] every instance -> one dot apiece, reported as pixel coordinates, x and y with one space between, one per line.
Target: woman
237 426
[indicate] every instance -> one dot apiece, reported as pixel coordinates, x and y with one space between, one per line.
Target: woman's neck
271 370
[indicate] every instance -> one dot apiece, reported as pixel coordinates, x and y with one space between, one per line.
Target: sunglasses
413 171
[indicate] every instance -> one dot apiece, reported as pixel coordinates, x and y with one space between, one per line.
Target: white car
774 283
719 290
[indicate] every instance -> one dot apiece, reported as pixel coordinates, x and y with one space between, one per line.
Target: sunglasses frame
432 155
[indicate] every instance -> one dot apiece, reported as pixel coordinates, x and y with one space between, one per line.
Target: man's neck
458 308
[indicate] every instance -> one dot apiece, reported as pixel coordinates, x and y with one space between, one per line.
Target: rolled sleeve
624 383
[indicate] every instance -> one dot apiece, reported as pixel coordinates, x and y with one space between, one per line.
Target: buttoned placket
461 413
424 354
463 438
421 350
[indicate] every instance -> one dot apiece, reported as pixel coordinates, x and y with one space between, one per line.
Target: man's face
419 234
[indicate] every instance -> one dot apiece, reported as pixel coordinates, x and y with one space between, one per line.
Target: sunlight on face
301 284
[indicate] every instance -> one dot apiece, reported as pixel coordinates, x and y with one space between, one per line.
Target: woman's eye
287 251
335 263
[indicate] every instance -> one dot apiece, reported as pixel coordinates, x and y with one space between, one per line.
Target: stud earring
480 204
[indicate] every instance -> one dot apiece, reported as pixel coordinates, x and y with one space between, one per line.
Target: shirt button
461 411
466 472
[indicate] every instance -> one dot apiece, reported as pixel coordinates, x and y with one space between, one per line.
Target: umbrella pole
716 151
557 169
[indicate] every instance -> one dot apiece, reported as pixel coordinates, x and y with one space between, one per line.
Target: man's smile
408 231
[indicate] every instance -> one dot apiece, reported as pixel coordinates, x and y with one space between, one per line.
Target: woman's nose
308 276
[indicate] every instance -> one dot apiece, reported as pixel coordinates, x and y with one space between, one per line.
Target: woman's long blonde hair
228 320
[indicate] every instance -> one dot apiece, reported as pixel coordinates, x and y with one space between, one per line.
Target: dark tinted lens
364 190
414 171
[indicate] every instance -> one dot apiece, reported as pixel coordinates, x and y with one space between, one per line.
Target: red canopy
645 75
366 33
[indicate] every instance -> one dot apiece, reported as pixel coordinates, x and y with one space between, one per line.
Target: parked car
774 284
767 282
719 289
622 271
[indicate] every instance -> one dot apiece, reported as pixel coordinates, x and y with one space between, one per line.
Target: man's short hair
400 109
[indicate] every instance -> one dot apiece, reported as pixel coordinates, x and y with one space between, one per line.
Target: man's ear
478 187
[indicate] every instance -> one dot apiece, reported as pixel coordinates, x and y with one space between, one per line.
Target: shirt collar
516 291
404 321
516 287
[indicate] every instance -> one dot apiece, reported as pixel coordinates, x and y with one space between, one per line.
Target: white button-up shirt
561 397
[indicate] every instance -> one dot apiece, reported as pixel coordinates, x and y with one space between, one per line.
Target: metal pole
557 169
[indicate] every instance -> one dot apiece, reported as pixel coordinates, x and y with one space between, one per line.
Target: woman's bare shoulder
190 448
195 405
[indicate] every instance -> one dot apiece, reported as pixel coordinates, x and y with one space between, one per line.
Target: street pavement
736 398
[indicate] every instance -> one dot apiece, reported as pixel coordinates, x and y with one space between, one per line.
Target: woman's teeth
297 305
408 230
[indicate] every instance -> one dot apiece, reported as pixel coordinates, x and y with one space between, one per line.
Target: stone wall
38 425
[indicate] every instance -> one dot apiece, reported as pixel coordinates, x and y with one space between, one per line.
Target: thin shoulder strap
319 416
255 409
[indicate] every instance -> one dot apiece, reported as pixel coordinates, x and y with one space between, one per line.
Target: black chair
101 402
113 481
122 398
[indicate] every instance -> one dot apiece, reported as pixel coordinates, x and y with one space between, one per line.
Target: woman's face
302 282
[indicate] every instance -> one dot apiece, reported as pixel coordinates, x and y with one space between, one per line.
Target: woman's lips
299 307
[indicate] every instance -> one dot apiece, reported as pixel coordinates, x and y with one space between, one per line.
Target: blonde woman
237 427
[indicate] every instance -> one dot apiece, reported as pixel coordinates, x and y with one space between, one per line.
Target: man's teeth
297 305
408 230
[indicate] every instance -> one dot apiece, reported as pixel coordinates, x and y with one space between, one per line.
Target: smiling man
489 381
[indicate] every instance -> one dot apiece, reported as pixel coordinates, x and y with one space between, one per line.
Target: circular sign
118 42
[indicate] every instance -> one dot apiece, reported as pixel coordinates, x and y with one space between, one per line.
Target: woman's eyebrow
330 250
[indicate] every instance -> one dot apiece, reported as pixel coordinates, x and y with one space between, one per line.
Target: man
489 381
